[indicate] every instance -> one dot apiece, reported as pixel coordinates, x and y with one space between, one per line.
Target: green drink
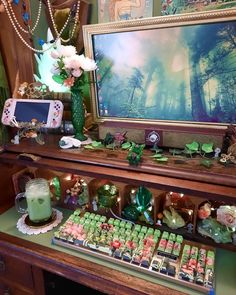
38 200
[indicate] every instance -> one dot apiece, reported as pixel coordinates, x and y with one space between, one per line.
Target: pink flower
69 81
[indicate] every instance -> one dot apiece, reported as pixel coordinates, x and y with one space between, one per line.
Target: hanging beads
75 23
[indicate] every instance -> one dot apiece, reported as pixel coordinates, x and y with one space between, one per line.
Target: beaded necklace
75 22
15 24
26 20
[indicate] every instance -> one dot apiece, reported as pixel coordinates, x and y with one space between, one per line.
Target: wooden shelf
217 183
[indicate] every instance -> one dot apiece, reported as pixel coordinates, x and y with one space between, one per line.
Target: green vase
78 114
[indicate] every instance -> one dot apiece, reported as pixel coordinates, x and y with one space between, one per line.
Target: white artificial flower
54 54
66 51
72 62
77 73
68 62
63 51
86 63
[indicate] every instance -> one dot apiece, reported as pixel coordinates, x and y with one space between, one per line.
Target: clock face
153 137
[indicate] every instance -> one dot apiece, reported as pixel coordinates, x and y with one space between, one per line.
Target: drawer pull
2 266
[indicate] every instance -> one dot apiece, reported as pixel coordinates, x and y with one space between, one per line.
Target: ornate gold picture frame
169 71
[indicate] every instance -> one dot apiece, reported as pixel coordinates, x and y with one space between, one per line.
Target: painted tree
201 40
135 82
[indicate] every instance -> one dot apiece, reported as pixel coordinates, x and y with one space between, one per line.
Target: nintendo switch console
47 112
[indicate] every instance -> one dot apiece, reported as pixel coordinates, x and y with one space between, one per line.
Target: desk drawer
16 271
7 289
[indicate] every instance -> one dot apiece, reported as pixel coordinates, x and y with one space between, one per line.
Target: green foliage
157 149
94 145
135 153
97 144
127 145
162 159
175 151
111 146
193 147
88 147
58 79
207 147
206 163
156 156
159 158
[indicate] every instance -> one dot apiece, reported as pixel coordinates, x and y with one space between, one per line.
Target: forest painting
177 73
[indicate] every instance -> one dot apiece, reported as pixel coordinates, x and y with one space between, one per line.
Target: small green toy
135 153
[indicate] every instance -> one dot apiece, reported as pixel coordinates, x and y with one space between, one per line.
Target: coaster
42 223
26 226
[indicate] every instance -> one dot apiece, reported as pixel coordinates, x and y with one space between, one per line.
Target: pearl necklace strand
75 23
18 24
22 39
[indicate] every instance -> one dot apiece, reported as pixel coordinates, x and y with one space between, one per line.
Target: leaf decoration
157 156
206 163
194 146
110 146
207 147
157 150
88 147
163 159
97 144
126 145
58 79
175 151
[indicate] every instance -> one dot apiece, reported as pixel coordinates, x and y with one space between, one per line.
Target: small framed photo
117 10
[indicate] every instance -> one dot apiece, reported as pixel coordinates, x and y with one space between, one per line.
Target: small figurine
94 204
16 139
173 219
28 130
135 154
217 152
77 195
67 142
226 215
119 138
227 159
210 227
204 211
190 228
229 138
109 139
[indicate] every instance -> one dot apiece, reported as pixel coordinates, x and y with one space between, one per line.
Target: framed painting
185 6
169 71
117 10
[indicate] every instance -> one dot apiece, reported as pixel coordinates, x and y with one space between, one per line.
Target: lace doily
26 227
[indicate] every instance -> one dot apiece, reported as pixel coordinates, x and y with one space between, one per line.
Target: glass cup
38 199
